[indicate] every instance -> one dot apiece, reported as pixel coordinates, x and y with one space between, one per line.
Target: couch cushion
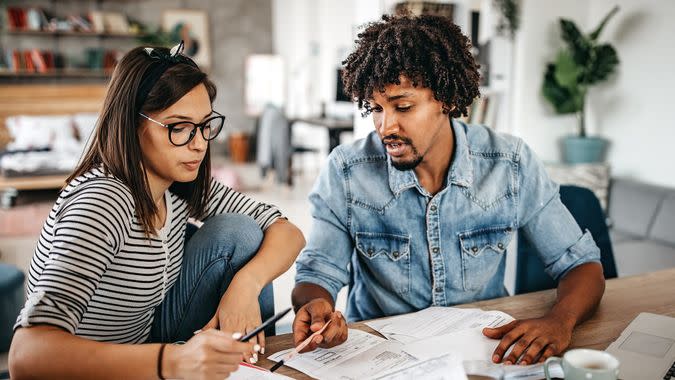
662 229
618 237
632 206
641 256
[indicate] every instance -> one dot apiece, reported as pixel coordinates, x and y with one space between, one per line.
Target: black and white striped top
94 272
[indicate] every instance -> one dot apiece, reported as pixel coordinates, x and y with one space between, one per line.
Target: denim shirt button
435 250
371 251
433 208
395 254
500 245
439 289
474 249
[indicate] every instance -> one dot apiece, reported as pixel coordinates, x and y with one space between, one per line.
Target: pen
299 348
260 328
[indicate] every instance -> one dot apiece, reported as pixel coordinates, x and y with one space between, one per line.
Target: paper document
511 372
446 367
472 345
323 359
436 321
364 356
250 372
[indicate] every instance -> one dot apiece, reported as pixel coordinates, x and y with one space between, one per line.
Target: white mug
586 364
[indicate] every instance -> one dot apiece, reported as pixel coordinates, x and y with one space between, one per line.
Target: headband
162 63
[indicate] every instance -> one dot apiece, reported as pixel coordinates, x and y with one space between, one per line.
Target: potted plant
583 62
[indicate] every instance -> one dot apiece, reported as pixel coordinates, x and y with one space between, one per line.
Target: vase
580 150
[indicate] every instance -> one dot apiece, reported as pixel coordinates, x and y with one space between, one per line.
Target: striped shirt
95 274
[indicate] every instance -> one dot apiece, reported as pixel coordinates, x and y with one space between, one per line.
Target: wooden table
624 299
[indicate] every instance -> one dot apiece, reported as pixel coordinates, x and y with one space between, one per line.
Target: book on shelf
38 61
4 61
96 21
483 110
39 19
33 19
80 24
115 22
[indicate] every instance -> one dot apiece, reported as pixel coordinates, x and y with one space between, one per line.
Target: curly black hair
430 50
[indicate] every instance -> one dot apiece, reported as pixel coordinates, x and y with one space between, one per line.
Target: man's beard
408 164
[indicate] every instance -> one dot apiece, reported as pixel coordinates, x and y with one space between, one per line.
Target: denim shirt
401 249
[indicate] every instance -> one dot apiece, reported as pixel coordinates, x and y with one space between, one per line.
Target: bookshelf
51 42
66 33
84 39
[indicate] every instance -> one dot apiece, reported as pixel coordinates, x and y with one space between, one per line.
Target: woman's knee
237 235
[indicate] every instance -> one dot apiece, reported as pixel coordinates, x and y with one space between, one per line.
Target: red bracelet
159 361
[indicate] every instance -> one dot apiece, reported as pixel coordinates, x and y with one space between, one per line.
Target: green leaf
603 65
596 33
563 99
578 44
566 70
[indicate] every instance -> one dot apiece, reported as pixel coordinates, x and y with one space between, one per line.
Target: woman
117 262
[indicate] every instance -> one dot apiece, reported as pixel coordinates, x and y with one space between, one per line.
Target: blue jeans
213 255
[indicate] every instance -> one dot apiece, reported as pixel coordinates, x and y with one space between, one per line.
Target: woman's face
164 162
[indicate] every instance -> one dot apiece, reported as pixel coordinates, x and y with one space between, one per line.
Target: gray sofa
642 226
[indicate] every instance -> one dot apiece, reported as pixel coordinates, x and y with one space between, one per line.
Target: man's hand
311 317
532 340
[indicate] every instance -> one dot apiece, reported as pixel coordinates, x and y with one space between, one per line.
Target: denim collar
460 172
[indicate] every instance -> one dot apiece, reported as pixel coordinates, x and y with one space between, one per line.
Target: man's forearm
579 294
305 292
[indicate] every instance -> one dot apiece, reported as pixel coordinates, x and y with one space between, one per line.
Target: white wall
537 42
634 111
631 110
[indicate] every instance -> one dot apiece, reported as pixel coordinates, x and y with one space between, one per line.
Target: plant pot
239 146
583 150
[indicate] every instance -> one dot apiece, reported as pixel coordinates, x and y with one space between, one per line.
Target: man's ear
446 110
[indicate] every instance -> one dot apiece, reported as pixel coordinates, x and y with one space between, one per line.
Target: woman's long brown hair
114 145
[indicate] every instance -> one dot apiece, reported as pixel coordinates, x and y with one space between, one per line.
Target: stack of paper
437 343
436 321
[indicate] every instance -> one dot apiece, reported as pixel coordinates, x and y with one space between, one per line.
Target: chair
586 210
275 150
11 301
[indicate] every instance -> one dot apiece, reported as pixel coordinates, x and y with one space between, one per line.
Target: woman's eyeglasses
182 132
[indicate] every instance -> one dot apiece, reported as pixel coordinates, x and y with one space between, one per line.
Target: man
421 211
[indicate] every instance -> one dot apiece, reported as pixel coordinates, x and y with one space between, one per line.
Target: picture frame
191 26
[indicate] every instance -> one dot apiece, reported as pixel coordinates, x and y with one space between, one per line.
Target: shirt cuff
583 251
317 275
40 309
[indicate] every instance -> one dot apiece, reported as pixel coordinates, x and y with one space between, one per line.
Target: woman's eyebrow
183 117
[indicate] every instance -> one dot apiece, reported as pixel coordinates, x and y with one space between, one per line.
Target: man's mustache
389 139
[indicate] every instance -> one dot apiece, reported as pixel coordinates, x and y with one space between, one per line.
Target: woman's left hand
239 312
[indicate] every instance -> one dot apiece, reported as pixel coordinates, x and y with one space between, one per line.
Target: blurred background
586 83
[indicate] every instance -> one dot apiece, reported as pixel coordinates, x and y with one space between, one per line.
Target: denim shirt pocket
482 252
387 257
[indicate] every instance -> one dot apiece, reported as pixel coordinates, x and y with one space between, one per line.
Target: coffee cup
585 364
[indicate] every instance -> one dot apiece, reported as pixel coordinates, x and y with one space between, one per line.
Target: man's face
407 119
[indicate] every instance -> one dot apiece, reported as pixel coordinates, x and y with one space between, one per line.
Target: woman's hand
239 311
208 355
